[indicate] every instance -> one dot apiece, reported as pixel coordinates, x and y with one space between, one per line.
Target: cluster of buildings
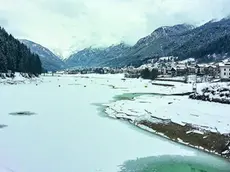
167 68
172 68
180 69
97 70
189 67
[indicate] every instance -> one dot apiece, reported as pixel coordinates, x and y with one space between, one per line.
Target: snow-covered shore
179 109
196 118
19 78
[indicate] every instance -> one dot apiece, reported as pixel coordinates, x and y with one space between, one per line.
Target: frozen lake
68 133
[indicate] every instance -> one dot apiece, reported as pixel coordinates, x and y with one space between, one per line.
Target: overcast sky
66 25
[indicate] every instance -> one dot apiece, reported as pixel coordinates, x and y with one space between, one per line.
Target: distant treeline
16 57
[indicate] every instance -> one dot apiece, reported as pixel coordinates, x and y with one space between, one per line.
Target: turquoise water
202 163
176 164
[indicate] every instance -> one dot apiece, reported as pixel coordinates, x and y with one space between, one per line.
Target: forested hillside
48 59
16 57
183 41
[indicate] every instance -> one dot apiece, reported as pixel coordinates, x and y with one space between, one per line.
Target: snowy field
69 134
179 109
19 79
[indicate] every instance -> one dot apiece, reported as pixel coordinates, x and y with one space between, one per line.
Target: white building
225 70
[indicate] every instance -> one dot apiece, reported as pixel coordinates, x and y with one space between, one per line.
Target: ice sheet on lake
68 134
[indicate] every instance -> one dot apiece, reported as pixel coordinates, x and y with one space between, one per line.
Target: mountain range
97 57
203 43
49 60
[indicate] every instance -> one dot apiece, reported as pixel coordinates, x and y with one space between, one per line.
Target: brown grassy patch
209 140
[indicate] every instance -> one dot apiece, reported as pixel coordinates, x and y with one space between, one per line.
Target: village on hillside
168 68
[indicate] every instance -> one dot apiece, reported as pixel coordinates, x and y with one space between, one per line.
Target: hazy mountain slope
49 60
159 43
202 38
96 57
183 41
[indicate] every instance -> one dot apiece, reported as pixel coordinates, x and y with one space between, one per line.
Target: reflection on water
176 164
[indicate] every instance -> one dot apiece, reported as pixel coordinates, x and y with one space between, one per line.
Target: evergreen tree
3 63
147 74
16 57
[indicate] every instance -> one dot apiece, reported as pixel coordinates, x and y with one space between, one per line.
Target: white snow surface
195 131
168 58
69 134
187 60
215 90
19 79
213 86
179 109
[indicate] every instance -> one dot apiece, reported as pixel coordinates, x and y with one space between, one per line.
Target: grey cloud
72 24
67 8
3 22
3 19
